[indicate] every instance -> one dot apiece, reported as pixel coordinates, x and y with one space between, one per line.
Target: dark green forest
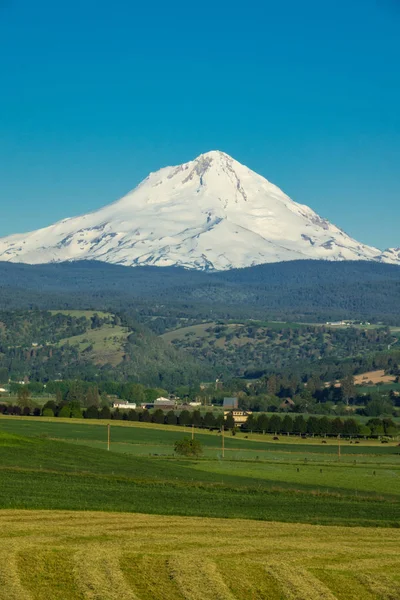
298 290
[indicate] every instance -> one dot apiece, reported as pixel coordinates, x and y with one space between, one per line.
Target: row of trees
256 423
319 425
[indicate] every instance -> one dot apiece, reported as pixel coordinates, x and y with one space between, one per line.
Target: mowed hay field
107 556
272 520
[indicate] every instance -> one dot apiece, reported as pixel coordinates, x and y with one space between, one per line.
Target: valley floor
108 556
270 520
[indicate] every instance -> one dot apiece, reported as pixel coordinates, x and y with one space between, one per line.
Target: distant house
124 404
2 390
230 403
164 403
287 403
239 416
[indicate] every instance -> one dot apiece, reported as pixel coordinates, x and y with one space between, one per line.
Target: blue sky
94 95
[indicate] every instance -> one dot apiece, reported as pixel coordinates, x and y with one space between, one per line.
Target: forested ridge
311 290
42 346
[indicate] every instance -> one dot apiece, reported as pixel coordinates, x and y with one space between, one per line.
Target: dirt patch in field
374 377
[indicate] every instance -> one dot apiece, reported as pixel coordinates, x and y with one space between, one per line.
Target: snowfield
211 213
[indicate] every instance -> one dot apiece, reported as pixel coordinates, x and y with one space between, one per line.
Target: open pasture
55 465
109 556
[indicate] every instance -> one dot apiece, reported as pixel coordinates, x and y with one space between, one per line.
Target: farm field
109 556
373 378
292 481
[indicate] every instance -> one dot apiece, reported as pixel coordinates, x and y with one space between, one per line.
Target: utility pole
339 447
108 436
192 431
223 442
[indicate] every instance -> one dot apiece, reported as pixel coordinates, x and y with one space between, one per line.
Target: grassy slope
43 473
76 556
107 344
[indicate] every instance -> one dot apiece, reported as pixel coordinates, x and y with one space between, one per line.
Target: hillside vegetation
311 290
255 346
43 345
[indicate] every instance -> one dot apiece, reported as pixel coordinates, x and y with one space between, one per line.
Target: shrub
171 418
184 418
133 415
187 447
64 412
105 413
47 412
92 412
157 416
145 416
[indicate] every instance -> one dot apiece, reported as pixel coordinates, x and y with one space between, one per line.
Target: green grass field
291 480
106 556
271 520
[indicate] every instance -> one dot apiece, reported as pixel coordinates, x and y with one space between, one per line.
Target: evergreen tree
196 419
337 426
132 415
324 426
105 413
229 422
157 416
92 412
263 422
145 416
350 427
299 425
209 420
275 424
287 424
251 423
312 425
171 418
184 418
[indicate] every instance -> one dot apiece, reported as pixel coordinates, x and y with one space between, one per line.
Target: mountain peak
209 213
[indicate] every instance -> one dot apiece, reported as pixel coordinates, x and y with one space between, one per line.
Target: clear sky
94 95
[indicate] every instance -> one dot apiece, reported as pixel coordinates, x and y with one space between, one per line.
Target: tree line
255 423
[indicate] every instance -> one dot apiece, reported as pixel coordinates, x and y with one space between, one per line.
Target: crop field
109 556
290 480
373 378
285 519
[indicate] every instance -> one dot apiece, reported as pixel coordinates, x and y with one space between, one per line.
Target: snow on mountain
210 213
391 255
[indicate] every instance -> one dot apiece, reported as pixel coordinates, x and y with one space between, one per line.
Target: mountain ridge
211 213
304 290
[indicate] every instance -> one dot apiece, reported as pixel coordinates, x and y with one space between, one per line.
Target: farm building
165 403
239 416
124 404
230 403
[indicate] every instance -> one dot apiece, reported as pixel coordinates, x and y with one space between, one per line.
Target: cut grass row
82 556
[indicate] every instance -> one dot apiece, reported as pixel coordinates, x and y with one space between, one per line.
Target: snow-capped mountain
391 255
210 213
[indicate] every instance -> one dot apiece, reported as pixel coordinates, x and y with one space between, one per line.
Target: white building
124 404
